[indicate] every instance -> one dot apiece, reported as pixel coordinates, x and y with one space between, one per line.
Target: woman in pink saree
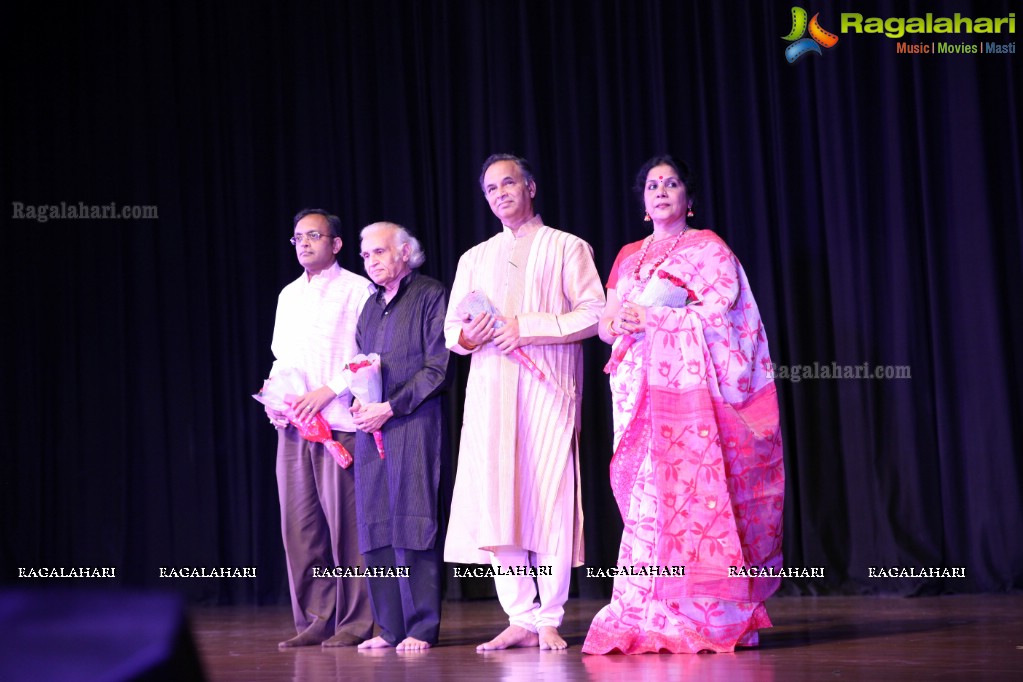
697 470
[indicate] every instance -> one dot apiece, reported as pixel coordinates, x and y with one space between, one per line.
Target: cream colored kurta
517 465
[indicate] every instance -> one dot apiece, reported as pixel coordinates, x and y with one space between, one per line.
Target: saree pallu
697 471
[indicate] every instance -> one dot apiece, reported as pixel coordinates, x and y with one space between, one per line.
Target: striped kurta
517 464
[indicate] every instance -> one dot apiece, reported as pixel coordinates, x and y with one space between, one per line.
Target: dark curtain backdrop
873 198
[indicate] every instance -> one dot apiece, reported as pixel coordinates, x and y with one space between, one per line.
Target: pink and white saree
697 470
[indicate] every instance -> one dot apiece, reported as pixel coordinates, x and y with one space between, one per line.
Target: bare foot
375 643
301 639
550 639
513 636
412 644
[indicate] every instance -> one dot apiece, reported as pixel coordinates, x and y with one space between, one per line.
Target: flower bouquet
364 381
476 303
279 393
665 290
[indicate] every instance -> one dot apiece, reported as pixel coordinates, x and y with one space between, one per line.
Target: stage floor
977 637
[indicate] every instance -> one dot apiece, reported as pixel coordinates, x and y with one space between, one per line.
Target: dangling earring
689 213
646 217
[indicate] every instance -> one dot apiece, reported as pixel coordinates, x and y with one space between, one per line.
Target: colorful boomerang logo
818 36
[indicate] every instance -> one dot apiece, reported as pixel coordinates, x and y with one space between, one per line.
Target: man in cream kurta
516 500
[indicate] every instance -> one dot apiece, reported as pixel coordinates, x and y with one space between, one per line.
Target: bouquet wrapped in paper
476 303
664 290
279 393
364 381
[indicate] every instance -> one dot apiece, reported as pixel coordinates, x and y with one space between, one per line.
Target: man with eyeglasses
314 332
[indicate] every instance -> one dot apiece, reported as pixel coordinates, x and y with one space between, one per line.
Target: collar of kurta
326 274
535 223
378 290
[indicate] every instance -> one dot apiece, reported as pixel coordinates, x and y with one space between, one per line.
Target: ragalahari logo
801 46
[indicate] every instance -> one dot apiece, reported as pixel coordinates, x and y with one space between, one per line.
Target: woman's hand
631 318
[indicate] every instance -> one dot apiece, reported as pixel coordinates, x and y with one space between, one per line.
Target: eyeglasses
311 236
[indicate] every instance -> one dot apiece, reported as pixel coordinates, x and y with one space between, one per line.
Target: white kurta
517 465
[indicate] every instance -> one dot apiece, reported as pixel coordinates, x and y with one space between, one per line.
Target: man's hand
371 416
507 337
277 418
311 403
479 330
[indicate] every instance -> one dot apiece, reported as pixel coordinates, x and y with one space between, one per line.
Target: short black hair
332 220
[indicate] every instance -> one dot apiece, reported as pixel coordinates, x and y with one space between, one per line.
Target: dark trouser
318 526
406 607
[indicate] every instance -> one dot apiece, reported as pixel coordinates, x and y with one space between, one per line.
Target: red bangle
464 343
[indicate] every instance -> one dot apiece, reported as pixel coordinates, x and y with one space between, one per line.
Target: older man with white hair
398 495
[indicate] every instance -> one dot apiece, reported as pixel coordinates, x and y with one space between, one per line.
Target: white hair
416 256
